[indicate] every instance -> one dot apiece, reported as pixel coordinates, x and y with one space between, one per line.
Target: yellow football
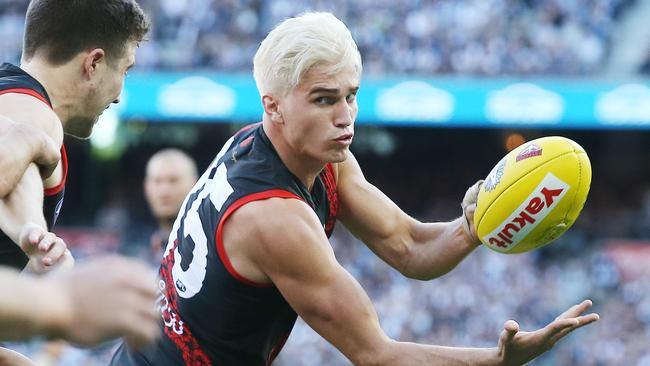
533 195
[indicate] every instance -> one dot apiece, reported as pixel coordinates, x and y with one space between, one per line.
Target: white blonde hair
296 45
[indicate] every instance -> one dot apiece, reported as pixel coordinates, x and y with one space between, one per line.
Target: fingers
35 235
141 319
471 194
30 235
576 310
55 250
44 248
571 320
142 335
573 325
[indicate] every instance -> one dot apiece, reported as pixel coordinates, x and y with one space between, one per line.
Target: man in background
170 175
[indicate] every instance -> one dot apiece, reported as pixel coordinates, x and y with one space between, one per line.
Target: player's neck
305 169
165 225
58 83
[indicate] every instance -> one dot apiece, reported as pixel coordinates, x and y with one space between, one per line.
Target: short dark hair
63 28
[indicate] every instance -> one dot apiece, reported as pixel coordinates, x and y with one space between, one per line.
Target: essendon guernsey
210 315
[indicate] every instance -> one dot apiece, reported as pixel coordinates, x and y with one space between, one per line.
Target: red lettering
497 242
522 219
535 205
508 227
505 238
549 194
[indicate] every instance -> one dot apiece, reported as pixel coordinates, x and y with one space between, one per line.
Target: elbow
424 276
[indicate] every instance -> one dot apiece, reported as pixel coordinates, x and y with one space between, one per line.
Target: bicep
300 263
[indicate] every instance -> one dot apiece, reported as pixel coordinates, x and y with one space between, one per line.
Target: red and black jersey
212 315
14 80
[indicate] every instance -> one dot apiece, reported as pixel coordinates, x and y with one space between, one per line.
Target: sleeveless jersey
211 315
14 80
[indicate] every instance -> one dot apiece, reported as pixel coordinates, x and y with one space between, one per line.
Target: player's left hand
45 250
469 206
517 347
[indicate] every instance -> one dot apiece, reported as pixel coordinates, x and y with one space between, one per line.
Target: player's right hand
469 206
518 348
45 250
107 298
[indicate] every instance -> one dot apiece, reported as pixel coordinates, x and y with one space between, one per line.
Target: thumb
30 234
510 329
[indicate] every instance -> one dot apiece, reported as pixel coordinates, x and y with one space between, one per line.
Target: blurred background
449 87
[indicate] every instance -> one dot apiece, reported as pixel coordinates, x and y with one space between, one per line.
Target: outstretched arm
96 301
300 263
418 250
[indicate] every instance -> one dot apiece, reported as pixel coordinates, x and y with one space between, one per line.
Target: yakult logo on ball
527 216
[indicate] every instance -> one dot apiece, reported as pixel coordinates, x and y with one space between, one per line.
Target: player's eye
324 100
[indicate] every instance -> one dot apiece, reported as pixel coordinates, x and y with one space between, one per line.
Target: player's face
167 183
103 90
319 114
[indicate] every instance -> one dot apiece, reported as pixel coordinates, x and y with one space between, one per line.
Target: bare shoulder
22 108
278 236
275 221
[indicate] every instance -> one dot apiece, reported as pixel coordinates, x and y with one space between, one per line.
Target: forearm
412 354
23 205
34 307
436 248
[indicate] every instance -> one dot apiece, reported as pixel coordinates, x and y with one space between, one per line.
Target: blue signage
449 102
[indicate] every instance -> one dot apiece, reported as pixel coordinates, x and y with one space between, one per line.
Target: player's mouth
345 139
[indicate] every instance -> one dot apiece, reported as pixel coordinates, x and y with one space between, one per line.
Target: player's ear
91 61
272 109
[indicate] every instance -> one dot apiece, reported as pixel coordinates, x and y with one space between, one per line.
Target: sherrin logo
494 178
546 196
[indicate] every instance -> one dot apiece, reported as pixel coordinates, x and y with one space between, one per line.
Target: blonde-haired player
249 250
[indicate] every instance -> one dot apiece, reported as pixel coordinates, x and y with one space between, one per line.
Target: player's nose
343 115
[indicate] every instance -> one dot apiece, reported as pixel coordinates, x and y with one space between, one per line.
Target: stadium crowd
475 37
469 305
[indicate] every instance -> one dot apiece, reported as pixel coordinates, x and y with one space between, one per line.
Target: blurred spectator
477 37
170 175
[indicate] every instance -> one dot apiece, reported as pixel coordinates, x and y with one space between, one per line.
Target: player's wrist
469 236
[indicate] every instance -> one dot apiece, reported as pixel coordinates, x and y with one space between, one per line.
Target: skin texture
309 127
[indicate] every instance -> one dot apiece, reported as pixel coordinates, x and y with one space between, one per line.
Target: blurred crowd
468 306
475 37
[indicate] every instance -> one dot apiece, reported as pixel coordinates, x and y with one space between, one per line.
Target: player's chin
80 128
338 156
